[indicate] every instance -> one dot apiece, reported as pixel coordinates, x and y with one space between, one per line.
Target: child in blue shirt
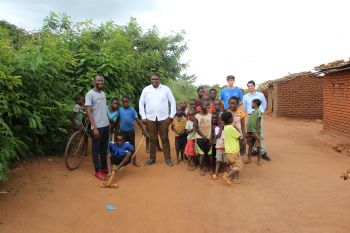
127 116
112 112
121 153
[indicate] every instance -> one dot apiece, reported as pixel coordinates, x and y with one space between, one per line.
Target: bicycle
76 147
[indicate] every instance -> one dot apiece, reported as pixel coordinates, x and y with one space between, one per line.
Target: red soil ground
298 191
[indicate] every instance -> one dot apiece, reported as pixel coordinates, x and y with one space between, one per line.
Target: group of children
205 135
213 139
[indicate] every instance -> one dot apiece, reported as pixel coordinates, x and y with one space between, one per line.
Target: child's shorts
242 148
220 156
190 148
251 139
117 161
203 146
234 161
180 142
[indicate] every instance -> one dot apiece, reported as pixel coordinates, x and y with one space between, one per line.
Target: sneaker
266 157
169 162
149 162
99 175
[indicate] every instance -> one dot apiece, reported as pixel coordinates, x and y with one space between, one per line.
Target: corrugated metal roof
289 77
338 64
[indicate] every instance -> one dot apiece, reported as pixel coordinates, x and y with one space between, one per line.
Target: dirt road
298 191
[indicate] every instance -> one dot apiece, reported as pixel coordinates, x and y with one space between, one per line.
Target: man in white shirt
154 110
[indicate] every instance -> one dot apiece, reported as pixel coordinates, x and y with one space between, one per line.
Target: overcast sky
251 39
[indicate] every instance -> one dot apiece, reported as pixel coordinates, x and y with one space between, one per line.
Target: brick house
336 97
298 95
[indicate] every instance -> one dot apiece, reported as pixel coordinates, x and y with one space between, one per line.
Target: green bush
41 72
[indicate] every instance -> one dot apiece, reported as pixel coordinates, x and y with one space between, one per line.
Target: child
218 139
191 136
238 120
127 116
121 153
231 141
178 126
112 112
193 104
254 130
77 113
202 124
218 107
212 97
183 105
200 93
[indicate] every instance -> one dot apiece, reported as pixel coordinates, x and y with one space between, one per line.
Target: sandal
236 181
227 180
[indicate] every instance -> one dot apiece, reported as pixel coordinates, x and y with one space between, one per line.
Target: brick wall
336 98
301 97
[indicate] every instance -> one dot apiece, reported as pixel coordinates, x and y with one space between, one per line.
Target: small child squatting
121 154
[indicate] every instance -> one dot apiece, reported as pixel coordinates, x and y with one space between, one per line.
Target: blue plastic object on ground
110 207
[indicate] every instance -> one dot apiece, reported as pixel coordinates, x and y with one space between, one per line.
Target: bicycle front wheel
75 150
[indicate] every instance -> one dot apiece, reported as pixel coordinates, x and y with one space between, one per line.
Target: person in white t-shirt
95 101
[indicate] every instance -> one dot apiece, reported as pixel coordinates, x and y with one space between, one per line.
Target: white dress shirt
154 103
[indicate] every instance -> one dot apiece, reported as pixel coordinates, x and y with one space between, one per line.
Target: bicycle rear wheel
75 150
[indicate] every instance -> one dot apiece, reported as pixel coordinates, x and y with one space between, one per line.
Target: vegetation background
41 72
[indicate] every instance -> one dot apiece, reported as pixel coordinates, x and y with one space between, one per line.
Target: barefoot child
238 120
191 136
202 124
121 153
231 141
218 138
127 117
254 130
178 126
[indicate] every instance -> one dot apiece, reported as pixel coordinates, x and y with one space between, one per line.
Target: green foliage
41 72
12 107
182 89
